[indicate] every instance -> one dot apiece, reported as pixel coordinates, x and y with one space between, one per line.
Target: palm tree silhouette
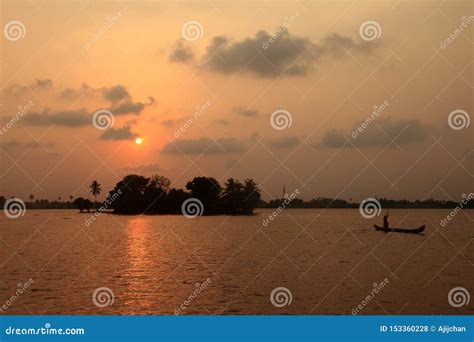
95 189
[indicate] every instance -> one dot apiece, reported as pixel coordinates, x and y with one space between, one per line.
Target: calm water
329 260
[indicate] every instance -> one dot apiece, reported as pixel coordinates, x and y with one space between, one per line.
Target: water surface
328 259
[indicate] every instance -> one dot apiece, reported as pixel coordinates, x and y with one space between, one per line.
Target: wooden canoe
401 230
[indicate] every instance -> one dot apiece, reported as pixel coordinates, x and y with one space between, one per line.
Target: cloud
221 122
73 94
204 146
181 53
68 118
284 56
122 133
130 107
43 84
270 55
335 44
378 133
38 85
116 93
245 111
169 123
285 142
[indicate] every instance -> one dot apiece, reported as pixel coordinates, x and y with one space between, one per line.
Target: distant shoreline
178 214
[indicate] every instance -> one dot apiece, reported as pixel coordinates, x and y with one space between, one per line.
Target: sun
138 141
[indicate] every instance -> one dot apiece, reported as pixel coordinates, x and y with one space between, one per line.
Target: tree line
136 194
325 202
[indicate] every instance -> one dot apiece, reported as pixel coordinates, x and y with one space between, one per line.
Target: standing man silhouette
385 220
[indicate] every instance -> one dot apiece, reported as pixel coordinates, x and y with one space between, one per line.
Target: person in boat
385 220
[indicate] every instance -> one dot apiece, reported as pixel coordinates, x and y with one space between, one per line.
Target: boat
401 230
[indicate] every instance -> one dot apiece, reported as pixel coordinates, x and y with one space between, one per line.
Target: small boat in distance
401 230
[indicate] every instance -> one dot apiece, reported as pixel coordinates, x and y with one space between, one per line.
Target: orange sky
133 59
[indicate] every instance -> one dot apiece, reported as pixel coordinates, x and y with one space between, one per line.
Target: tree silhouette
129 195
136 194
233 196
82 204
251 196
95 189
207 190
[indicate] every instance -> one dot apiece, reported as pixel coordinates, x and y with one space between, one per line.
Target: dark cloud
378 133
284 56
130 107
122 133
116 93
271 55
68 118
221 122
181 53
43 84
169 123
73 94
112 94
245 111
38 85
204 146
285 142
336 44
335 138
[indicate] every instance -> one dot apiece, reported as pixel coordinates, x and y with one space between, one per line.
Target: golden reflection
139 272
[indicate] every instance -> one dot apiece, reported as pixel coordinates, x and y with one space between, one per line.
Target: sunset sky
154 64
